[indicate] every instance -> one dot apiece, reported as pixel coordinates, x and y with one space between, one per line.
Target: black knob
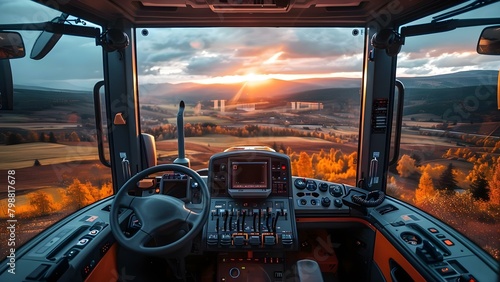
311 185
323 187
300 183
325 202
335 190
337 203
303 202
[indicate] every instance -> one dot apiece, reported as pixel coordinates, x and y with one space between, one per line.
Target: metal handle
98 123
399 121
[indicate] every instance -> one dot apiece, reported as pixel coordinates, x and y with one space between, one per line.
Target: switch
82 242
213 239
225 239
254 240
448 242
239 240
269 240
286 239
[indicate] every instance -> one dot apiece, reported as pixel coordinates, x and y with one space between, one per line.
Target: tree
73 137
406 166
14 139
42 202
447 181
106 190
479 188
495 185
304 165
79 195
425 188
52 137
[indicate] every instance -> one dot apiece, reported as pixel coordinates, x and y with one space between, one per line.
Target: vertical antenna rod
181 160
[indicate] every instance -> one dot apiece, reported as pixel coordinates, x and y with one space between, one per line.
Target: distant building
222 105
247 107
297 106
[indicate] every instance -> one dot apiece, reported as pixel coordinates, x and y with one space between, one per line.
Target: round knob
300 183
325 202
303 202
335 190
337 203
323 187
234 272
314 202
311 185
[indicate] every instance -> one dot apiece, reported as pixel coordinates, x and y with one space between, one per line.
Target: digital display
175 185
249 175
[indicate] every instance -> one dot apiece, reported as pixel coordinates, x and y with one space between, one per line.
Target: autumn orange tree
495 185
79 194
425 189
406 166
42 203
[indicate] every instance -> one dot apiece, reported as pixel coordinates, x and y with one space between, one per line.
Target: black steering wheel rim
178 212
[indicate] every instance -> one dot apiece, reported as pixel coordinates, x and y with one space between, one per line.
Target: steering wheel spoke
125 201
139 239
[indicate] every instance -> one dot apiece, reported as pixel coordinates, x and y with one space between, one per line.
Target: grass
24 155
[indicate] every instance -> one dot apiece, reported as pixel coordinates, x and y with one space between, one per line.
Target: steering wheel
158 212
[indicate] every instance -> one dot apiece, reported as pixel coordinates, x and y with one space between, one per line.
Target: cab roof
272 13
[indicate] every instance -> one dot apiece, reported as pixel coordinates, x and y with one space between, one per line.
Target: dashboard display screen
249 175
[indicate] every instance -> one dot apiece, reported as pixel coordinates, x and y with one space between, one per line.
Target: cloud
239 51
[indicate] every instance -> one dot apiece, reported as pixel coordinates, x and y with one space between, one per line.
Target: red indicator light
283 167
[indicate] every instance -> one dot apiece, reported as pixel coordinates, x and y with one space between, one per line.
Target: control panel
251 204
311 195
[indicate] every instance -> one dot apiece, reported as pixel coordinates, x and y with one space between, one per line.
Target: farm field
24 155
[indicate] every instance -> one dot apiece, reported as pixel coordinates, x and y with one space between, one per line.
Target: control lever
226 214
231 220
268 216
244 213
429 253
125 166
237 222
181 160
255 213
275 222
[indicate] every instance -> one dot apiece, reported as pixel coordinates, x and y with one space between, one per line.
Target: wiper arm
472 6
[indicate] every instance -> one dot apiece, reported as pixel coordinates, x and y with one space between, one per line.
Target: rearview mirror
47 40
11 45
489 42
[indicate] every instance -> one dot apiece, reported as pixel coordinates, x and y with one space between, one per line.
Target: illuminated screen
249 175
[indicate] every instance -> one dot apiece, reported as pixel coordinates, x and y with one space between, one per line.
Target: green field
24 155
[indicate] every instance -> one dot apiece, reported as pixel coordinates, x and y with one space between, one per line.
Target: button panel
311 195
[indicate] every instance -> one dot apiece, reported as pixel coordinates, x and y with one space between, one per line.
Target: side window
449 162
49 163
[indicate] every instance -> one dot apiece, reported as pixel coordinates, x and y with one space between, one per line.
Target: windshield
295 90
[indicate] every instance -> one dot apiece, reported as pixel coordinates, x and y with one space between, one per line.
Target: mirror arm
56 28
436 27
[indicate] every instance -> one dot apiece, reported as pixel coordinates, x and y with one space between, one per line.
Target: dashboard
251 202
259 217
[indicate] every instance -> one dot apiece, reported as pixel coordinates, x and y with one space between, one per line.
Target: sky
215 55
